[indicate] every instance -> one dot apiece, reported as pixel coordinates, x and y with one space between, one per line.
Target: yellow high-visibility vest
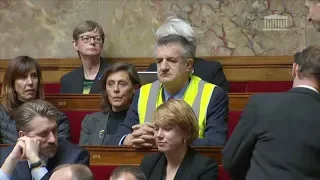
197 95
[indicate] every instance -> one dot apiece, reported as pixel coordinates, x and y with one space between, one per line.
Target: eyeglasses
87 39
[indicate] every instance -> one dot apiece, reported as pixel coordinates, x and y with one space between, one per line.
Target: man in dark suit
278 134
88 40
210 71
37 152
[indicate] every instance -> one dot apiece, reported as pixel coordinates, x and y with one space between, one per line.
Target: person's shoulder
4 115
203 160
67 146
105 62
267 95
207 62
152 158
218 92
98 115
71 75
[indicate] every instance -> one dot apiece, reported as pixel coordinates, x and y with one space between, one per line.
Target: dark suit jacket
277 138
92 127
194 166
67 153
210 71
215 133
72 82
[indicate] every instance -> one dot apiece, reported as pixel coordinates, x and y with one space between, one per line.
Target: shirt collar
309 87
178 95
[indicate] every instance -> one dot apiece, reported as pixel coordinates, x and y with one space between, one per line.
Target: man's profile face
314 13
45 131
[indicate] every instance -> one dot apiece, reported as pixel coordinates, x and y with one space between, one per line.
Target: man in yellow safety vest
174 58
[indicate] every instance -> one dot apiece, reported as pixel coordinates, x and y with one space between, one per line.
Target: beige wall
43 28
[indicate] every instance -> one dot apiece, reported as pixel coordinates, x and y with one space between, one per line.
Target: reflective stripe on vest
197 95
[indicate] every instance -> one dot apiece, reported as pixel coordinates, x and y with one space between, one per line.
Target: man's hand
18 152
142 136
14 157
32 148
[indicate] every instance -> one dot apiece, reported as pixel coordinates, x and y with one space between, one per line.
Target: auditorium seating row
235 87
105 159
245 73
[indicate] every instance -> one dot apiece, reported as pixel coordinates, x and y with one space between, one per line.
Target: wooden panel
236 68
102 155
116 155
237 101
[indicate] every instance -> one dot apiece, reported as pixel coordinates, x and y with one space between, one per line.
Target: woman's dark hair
18 67
133 75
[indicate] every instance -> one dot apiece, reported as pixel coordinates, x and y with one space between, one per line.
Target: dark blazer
194 166
93 129
210 71
9 134
215 133
67 153
72 82
276 138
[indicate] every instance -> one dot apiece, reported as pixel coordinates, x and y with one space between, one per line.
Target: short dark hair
28 110
87 26
309 62
133 75
135 171
189 49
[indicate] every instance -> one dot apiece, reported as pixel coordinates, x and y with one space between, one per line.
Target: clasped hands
26 149
142 136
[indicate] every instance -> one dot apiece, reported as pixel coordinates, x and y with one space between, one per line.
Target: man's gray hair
176 26
188 49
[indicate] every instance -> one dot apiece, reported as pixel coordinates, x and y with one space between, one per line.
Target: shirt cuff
4 176
122 139
38 173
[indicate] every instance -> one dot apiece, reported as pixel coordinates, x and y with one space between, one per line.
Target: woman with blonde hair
176 128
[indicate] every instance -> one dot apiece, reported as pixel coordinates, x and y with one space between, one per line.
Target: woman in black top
23 82
176 128
119 83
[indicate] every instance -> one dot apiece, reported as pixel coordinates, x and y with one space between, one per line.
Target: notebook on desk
147 77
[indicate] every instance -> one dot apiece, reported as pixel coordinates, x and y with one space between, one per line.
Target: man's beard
50 151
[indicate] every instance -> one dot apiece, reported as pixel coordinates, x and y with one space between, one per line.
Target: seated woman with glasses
176 128
22 82
118 85
88 40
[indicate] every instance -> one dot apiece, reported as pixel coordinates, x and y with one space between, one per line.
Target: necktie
171 97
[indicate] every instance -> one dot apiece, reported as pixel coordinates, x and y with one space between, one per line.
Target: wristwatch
39 163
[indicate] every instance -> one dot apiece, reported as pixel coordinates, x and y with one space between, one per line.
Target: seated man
127 173
210 71
36 122
174 57
72 172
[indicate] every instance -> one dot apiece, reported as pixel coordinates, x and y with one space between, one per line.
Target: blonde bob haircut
177 113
